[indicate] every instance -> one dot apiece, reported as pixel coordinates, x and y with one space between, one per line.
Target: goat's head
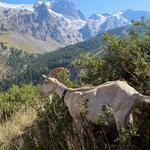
48 83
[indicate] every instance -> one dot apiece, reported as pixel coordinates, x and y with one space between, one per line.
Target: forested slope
27 68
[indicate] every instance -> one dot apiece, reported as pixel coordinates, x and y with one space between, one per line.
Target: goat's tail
144 98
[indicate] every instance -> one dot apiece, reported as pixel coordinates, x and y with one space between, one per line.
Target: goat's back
111 93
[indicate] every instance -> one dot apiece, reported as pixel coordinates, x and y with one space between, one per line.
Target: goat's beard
51 98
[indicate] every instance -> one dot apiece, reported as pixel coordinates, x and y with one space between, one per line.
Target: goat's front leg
78 125
129 120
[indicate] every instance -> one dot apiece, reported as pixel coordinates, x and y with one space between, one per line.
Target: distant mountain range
57 23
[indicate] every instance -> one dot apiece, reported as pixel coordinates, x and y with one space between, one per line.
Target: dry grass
22 119
28 43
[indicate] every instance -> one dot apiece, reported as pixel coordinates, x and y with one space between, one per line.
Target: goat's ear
44 76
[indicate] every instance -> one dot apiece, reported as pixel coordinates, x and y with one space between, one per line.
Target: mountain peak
66 8
96 16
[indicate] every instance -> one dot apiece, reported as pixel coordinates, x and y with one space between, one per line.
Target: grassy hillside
27 122
28 43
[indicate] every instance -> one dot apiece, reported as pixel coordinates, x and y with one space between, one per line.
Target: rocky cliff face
66 8
41 23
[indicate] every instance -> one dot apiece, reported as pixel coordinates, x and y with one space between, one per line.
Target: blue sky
101 6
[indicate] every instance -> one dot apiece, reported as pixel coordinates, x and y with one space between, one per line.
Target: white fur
120 96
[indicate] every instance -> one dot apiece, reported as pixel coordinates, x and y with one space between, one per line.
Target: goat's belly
96 118
94 111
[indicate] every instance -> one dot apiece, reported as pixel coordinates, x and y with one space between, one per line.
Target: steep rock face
66 8
41 23
98 23
114 21
93 25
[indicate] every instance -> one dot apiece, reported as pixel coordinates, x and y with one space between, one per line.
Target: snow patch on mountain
97 17
16 6
71 23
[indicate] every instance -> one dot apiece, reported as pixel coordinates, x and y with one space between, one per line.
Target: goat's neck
59 88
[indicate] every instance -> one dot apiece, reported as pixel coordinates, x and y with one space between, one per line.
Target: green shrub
15 97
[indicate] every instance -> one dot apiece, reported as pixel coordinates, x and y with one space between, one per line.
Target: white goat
120 96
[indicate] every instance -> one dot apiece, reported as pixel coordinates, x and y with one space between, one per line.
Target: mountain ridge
46 21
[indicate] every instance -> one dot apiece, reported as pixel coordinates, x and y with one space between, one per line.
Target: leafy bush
54 129
14 98
122 59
